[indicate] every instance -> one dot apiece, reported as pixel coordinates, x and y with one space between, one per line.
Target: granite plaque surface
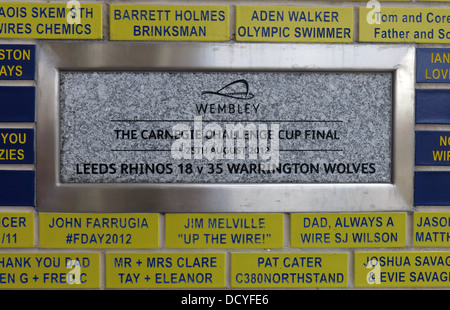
225 127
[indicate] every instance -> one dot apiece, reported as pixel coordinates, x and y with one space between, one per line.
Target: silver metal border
100 56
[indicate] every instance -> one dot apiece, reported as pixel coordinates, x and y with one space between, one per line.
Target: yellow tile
224 230
98 230
419 25
20 20
165 270
431 229
16 230
289 270
169 22
402 269
294 24
49 270
346 230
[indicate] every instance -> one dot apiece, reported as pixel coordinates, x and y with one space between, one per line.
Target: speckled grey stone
355 107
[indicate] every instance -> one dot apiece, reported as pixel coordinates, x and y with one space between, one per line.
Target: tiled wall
228 250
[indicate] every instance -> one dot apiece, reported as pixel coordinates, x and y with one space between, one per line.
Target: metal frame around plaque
54 196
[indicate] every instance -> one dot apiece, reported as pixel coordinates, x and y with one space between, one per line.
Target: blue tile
433 106
432 148
17 103
433 65
17 187
17 146
17 62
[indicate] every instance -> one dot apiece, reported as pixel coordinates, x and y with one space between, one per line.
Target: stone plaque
225 127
